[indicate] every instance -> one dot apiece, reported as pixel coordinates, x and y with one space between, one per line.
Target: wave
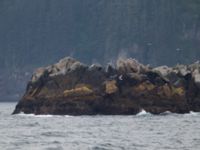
26 115
143 113
33 115
166 113
192 113
41 116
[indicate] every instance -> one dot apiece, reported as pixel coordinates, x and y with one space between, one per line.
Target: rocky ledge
73 88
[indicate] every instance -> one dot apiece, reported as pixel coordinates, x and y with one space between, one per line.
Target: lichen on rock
111 87
79 91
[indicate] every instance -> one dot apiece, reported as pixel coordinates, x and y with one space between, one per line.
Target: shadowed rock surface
70 87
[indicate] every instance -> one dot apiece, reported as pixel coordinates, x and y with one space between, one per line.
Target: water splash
143 113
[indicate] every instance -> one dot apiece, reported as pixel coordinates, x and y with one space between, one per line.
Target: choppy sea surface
141 132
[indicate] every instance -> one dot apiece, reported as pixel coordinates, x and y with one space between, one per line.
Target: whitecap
67 116
44 116
192 113
166 113
143 113
37 116
26 115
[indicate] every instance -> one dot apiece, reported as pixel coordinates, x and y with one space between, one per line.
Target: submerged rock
72 88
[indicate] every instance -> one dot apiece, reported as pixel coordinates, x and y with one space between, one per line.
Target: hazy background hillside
35 33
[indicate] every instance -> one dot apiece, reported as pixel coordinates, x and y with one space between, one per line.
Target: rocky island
70 87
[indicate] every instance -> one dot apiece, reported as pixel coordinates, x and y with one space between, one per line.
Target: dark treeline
35 33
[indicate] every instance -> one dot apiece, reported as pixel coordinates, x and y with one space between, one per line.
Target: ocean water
141 132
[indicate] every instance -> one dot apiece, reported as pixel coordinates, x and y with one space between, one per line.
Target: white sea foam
26 115
45 116
143 113
67 116
37 116
41 116
192 113
166 113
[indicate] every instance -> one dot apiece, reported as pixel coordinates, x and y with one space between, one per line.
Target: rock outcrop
73 88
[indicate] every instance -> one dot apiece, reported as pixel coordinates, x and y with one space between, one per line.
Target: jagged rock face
130 66
163 70
65 65
70 87
180 71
